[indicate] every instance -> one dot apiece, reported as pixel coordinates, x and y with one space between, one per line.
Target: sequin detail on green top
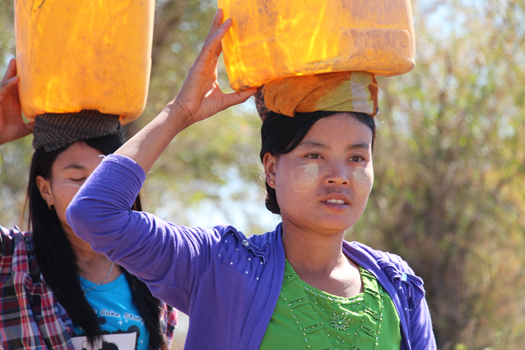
307 318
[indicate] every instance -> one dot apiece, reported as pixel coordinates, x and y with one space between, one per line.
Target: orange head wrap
336 92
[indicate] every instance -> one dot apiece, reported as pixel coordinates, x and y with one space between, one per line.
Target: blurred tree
14 157
449 166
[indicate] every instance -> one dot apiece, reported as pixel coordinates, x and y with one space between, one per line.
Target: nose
337 174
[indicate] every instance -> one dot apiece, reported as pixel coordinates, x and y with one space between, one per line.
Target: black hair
280 134
56 258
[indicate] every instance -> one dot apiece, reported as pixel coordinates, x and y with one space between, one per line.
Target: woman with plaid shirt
49 279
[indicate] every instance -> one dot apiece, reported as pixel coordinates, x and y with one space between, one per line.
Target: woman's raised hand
201 95
199 98
12 126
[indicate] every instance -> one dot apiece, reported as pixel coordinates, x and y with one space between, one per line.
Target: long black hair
56 258
280 134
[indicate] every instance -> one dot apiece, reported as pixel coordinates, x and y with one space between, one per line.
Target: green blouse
308 318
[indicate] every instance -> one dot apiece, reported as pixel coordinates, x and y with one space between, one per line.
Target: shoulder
403 286
390 270
260 245
12 238
257 240
16 252
383 260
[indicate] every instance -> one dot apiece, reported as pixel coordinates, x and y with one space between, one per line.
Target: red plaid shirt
30 317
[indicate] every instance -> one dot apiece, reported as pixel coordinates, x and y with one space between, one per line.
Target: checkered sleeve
169 322
30 317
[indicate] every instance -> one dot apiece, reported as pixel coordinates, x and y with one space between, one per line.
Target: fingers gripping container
282 38
84 54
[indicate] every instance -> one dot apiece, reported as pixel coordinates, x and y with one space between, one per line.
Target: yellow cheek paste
306 176
70 185
363 179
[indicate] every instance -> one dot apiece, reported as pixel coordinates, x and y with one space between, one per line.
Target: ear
44 186
270 163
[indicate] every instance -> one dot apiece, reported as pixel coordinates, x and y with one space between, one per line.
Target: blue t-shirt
120 321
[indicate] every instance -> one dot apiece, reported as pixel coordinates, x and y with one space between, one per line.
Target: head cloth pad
336 92
56 130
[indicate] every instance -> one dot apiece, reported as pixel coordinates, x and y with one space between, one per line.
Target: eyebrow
313 144
361 145
75 166
358 146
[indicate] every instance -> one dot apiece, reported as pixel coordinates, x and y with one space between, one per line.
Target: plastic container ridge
281 38
84 54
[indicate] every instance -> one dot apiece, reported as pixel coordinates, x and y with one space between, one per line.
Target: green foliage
449 168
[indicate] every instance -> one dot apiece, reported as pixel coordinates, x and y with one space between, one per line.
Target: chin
331 228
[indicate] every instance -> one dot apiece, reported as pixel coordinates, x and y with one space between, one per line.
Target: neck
313 253
92 266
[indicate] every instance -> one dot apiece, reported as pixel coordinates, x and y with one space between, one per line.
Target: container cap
335 92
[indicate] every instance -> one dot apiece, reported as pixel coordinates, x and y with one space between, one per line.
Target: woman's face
323 185
69 171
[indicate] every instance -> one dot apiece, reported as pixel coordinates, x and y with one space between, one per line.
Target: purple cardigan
227 283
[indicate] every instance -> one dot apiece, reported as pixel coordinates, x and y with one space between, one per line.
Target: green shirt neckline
308 318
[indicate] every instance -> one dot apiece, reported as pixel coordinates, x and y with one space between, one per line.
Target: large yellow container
84 54
281 38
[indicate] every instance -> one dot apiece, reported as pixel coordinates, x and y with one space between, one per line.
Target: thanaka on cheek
77 186
306 176
363 179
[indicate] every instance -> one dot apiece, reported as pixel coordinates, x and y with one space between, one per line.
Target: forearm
147 145
169 258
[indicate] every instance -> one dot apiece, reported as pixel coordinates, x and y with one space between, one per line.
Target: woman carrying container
51 281
298 287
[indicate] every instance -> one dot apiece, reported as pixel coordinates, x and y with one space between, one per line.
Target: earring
271 182
51 207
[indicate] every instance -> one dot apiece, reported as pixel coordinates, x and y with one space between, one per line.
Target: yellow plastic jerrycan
281 38
84 54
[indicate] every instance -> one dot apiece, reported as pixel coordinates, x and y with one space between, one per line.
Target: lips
336 199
